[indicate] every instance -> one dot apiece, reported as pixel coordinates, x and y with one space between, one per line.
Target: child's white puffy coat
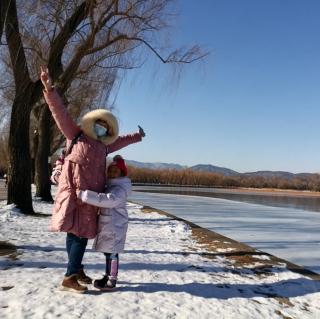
113 219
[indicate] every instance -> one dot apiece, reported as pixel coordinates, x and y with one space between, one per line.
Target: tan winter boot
83 278
71 284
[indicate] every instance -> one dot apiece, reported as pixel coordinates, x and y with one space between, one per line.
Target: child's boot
101 283
105 283
109 281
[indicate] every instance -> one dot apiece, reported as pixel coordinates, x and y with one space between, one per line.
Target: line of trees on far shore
188 177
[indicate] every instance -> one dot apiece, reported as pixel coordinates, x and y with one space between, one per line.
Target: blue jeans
76 247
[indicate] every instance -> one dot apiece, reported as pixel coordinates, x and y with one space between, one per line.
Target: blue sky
252 104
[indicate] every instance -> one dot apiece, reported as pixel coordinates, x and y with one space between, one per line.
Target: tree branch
59 43
16 51
187 57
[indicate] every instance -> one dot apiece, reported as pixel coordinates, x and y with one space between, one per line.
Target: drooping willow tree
80 42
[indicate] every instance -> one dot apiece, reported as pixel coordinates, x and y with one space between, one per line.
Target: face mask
100 130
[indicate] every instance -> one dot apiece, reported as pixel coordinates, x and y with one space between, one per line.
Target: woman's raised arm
59 111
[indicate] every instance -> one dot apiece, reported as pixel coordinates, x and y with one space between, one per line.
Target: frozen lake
289 233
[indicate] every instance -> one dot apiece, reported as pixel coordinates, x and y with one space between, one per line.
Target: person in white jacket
113 219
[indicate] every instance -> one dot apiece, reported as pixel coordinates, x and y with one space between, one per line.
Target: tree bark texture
19 174
19 181
42 172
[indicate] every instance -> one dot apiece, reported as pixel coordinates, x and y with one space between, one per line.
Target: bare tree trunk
2 18
19 181
42 153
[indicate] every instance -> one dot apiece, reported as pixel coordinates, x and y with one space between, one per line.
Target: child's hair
117 157
120 163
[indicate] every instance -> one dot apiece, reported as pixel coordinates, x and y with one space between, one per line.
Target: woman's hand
141 131
45 79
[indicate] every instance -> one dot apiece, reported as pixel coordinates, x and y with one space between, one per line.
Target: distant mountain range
155 165
219 170
214 169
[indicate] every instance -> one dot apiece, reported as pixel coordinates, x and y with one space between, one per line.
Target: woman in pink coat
83 168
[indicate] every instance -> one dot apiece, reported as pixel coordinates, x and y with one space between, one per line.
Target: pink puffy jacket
84 168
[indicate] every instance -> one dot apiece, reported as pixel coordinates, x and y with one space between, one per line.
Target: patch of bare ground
7 249
284 301
279 313
10 251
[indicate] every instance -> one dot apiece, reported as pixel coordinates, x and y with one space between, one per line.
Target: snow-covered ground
162 275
